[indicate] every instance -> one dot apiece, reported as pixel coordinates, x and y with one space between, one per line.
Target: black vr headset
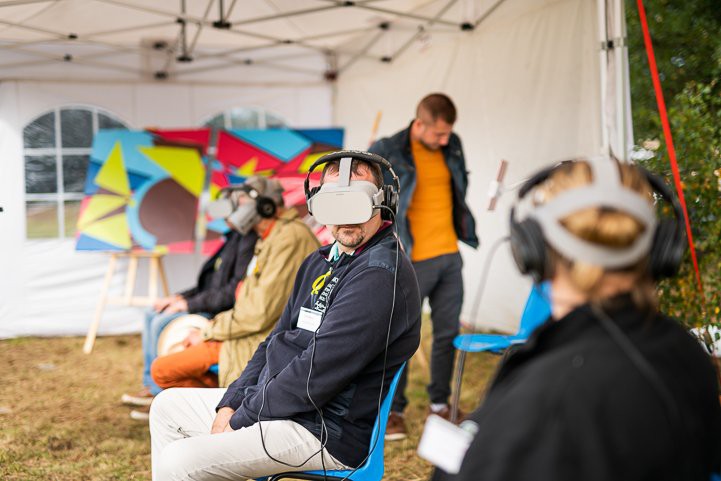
664 239
351 201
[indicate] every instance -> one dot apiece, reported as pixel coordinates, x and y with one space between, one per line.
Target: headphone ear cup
390 200
265 206
309 195
667 250
529 249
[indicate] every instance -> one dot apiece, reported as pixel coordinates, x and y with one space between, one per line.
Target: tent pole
603 76
624 125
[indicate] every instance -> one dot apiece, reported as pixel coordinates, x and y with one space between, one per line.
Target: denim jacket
397 150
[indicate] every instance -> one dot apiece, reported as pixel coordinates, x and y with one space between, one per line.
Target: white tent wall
46 288
526 85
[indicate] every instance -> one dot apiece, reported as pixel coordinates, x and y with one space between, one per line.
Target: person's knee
175 462
160 371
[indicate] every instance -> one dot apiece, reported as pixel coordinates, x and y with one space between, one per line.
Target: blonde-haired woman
608 388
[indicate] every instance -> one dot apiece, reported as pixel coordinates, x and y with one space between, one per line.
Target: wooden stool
128 299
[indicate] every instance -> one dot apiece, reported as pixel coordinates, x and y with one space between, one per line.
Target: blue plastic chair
537 310
373 468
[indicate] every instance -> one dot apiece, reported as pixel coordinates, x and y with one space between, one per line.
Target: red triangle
293 166
235 152
189 137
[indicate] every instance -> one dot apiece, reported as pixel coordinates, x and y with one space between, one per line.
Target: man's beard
349 238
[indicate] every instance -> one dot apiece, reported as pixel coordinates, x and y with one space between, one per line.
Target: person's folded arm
353 333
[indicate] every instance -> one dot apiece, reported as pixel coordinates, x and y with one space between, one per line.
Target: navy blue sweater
349 348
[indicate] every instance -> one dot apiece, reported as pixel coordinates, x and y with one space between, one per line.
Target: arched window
57 147
245 118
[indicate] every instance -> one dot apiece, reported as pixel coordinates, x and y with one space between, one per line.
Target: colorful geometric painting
143 187
142 191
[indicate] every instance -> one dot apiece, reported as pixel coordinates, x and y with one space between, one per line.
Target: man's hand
179 304
161 304
193 338
221 423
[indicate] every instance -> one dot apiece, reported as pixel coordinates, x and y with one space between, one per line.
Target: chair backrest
537 310
373 468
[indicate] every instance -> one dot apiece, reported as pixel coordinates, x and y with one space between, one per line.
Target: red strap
669 139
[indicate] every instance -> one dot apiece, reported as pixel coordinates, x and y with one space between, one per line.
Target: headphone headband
662 240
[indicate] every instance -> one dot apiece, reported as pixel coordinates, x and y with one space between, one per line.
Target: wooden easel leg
93 330
163 278
153 280
130 279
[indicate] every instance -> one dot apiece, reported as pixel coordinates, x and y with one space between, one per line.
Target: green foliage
687 43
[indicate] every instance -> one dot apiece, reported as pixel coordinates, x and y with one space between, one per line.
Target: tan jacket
262 296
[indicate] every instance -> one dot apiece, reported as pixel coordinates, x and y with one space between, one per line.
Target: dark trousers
440 280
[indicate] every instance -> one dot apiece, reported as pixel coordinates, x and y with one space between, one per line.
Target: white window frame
60 197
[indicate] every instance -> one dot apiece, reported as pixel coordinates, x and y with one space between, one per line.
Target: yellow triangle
308 161
248 169
98 206
113 230
184 165
112 175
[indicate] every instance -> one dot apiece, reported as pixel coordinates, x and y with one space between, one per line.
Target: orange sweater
430 213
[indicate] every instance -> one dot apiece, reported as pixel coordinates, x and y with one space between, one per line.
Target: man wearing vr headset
231 337
432 217
608 388
213 293
310 395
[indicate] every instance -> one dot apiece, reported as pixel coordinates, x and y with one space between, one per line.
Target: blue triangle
324 136
87 243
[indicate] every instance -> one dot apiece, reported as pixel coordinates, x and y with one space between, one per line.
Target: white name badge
444 444
309 319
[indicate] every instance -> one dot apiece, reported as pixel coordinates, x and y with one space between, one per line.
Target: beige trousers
183 448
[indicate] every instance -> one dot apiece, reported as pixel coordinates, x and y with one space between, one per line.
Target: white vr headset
350 201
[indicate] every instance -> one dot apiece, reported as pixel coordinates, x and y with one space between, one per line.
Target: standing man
432 217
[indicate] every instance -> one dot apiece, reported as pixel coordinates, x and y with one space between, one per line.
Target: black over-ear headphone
264 205
390 192
529 247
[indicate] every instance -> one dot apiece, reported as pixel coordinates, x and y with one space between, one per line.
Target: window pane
218 122
76 127
42 220
243 119
40 174
40 133
72 209
272 121
75 168
107 122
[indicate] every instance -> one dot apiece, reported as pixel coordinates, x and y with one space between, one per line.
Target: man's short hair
437 106
332 167
267 187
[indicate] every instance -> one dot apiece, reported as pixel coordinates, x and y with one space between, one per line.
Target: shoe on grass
396 427
445 413
140 398
140 413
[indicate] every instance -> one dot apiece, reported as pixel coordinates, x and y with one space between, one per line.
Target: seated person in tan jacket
231 337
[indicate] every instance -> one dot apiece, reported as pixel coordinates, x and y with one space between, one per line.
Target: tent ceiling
288 41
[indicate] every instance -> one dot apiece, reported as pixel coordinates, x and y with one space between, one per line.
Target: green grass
61 419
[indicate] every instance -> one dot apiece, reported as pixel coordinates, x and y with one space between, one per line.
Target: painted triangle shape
184 165
112 175
112 230
98 206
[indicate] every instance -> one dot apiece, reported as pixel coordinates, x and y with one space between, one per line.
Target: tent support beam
420 31
365 6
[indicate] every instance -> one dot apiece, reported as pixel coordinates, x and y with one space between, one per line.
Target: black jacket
219 277
349 348
570 405
397 150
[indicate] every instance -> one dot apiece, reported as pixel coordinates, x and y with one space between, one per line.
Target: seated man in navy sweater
344 333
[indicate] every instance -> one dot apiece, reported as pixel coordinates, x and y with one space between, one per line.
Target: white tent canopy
528 78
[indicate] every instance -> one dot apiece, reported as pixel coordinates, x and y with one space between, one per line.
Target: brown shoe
140 398
445 413
396 427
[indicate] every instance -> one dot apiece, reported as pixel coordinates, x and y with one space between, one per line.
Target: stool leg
457 388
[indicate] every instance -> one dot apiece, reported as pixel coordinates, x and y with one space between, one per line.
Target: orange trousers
188 368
